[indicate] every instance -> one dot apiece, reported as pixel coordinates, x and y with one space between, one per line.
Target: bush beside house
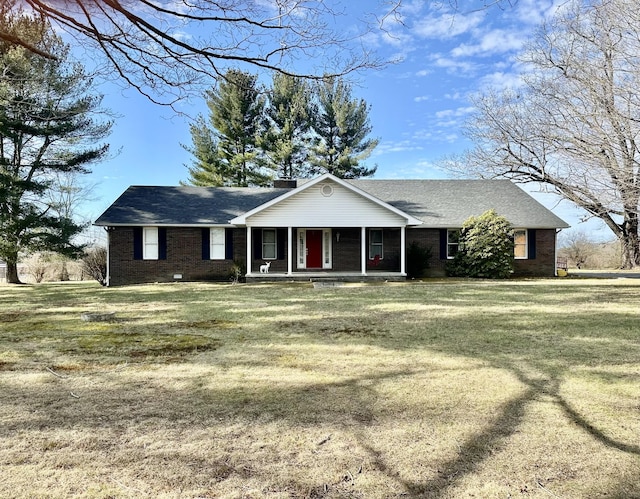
486 248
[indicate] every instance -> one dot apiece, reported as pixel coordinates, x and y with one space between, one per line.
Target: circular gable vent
326 190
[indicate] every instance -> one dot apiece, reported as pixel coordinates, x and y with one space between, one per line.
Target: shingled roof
449 203
438 203
184 205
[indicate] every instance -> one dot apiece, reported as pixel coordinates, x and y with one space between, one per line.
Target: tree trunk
12 273
64 272
630 244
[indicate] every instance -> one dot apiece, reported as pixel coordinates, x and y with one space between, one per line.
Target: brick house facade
326 227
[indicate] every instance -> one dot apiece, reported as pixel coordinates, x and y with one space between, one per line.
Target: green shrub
486 248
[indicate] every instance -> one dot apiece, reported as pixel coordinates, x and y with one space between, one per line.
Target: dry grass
436 390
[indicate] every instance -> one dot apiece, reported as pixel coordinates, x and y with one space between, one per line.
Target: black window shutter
531 239
206 248
282 243
162 243
257 243
137 243
228 244
443 244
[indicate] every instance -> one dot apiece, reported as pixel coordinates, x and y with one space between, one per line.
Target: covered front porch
320 253
326 229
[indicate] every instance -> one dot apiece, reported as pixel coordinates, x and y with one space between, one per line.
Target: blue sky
418 105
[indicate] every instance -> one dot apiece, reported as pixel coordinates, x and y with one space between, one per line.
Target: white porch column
289 250
108 276
363 250
403 249
249 246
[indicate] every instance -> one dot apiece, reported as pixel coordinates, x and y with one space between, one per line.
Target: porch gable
326 202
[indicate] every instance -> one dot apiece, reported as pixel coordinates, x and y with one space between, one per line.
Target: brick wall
429 238
347 251
184 256
543 265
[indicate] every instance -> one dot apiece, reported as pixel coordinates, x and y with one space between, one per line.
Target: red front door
314 249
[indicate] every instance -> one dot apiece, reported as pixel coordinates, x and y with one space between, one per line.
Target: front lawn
442 389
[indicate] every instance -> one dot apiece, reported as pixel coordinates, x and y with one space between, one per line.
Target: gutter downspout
555 253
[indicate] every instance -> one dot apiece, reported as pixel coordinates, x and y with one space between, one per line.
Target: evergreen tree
288 110
207 170
236 113
47 128
342 125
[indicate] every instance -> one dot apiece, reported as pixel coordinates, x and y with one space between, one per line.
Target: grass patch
436 389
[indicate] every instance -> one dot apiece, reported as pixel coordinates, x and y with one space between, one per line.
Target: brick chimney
285 183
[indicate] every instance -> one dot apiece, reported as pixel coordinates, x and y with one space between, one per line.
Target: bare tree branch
573 125
167 49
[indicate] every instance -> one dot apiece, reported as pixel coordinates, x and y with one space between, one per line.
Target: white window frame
150 247
302 249
525 245
452 245
217 243
326 248
273 244
372 254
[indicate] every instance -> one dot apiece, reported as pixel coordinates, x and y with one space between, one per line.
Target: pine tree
207 170
342 125
236 113
47 128
288 138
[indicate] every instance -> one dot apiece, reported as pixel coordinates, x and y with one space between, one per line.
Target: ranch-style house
320 228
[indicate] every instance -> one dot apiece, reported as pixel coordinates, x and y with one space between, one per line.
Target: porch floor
326 276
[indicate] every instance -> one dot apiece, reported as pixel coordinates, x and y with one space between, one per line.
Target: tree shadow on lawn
549 343
348 403
538 348
63 404
557 345
471 454
481 446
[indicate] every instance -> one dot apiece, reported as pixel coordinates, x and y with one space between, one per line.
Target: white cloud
421 98
447 25
448 123
500 80
393 38
461 111
496 41
182 35
389 147
454 66
534 12
451 137
414 7
422 134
